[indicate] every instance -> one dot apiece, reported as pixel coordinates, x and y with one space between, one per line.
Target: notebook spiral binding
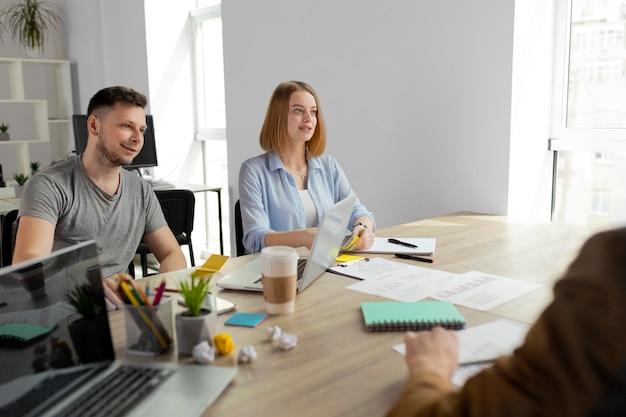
399 326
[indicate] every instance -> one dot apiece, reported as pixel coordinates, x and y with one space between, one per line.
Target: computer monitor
146 158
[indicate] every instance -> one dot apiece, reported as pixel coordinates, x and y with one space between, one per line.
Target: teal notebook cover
389 316
21 334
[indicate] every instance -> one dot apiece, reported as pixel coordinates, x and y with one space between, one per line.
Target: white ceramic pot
19 189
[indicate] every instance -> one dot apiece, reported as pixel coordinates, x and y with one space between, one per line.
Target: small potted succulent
199 321
20 179
34 168
4 131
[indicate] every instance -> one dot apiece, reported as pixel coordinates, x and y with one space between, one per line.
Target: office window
589 112
210 104
600 202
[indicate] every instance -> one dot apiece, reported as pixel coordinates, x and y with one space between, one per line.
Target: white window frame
197 17
562 137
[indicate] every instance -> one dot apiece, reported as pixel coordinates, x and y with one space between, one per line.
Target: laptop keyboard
301 266
118 392
42 391
300 269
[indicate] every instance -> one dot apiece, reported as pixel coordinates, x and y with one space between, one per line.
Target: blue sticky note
245 319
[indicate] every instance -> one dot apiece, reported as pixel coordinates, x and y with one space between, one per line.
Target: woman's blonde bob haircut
274 130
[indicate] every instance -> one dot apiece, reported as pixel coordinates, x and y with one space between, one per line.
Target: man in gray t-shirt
92 197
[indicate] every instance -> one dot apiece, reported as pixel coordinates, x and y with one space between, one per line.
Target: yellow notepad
213 264
385 316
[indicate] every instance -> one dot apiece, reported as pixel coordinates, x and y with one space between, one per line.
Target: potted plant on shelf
29 22
34 168
199 321
89 330
21 180
4 131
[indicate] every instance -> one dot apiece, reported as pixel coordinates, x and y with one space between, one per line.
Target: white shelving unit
36 101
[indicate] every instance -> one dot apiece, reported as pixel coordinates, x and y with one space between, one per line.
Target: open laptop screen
39 329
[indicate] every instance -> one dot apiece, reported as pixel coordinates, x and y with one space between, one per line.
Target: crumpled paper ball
247 355
288 341
223 343
274 333
203 352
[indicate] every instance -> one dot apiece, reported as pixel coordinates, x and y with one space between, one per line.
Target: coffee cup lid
279 253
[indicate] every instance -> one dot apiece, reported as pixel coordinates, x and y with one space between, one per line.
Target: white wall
107 46
417 95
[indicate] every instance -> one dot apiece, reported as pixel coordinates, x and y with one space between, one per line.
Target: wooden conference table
339 369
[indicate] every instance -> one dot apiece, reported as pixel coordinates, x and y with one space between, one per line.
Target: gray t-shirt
64 195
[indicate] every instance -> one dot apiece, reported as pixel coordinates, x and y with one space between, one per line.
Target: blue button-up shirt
270 200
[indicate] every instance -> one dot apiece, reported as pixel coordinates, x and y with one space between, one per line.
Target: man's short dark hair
110 96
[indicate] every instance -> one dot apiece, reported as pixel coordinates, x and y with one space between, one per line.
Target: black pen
399 242
413 257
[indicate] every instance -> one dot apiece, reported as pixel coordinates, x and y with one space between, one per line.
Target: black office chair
9 231
241 249
178 208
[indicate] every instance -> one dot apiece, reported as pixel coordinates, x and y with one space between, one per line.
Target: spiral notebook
391 316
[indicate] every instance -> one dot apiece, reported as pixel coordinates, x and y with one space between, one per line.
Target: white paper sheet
399 281
482 291
372 269
484 342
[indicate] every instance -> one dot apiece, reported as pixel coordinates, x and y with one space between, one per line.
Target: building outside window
589 113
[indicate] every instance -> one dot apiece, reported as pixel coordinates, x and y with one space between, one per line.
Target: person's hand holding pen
363 228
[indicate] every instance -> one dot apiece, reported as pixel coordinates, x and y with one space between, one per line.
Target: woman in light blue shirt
284 192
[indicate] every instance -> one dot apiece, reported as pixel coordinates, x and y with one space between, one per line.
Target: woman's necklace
302 176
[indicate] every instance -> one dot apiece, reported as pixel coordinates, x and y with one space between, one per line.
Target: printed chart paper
482 291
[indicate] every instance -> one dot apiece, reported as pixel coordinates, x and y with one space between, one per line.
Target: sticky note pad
245 319
211 265
344 257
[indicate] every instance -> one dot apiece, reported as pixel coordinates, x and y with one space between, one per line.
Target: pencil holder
149 329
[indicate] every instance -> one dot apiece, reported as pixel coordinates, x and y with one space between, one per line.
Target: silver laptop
40 349
326 245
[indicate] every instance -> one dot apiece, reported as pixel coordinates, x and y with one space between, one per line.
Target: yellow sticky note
348 258
211 265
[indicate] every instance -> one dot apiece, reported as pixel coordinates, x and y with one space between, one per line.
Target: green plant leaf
30 20
194 293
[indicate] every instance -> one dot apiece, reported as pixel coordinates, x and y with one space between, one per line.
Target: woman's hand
364 230
366 239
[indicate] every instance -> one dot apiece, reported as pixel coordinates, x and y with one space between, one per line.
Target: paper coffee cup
279 266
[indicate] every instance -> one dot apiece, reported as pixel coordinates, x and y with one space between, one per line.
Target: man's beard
112 157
